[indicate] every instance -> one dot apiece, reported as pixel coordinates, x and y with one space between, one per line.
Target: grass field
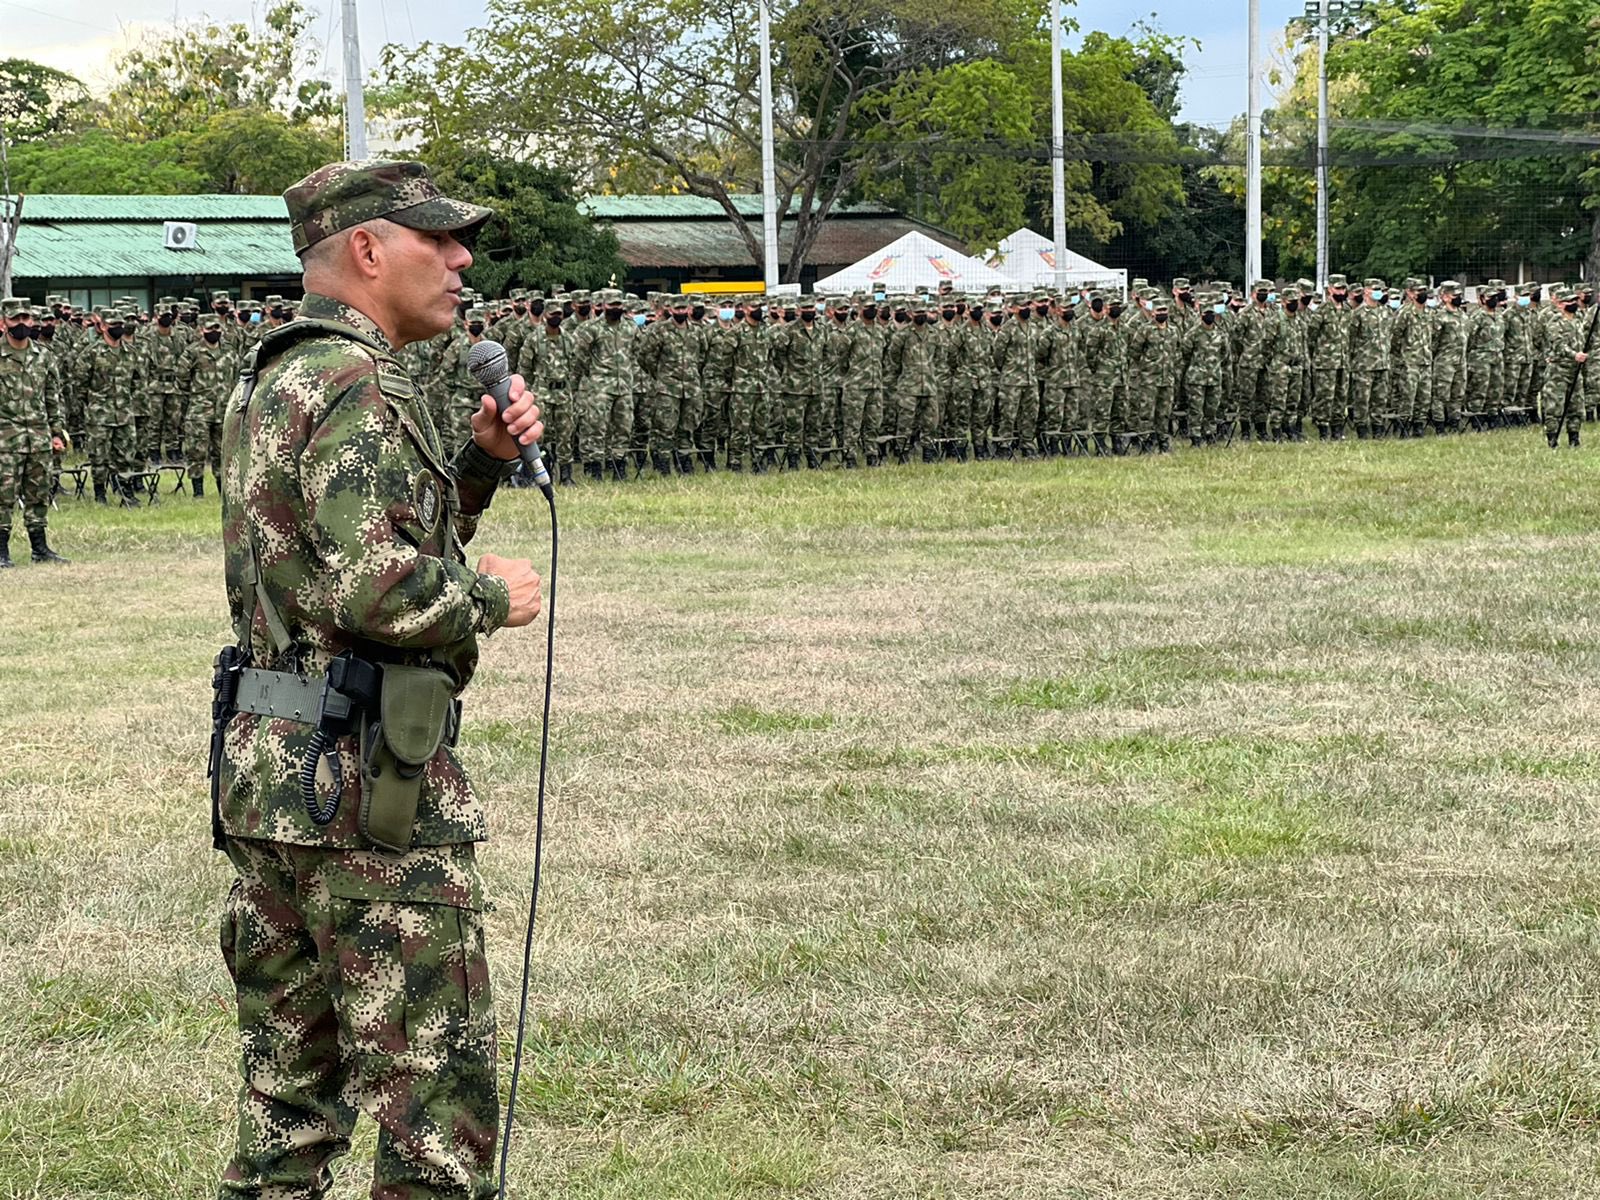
1214 826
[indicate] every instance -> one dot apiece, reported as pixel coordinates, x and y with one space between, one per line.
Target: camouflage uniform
670 358
861 392
747 403
30 415
601 366
1206 350
111 384
977 376
543 361
1563 340
911 381
1099 337
1486 355
1016 382
455 393
1449 359
797 365
1370 330
205 375
1328 346
361 976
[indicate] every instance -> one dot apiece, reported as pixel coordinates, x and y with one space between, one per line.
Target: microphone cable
538 841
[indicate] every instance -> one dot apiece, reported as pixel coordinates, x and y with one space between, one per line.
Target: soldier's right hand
523 583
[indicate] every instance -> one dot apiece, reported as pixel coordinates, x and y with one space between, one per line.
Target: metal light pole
1058 151
1322 148
1252 154
769 172
355 108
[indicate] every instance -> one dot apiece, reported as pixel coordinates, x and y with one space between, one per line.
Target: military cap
581 296
220 294
1449 288
1161 306
1337 281
52 298
1290 292
1496 285
16 306
1374 282
475 314
1562 293
1306 286
1181 284
519 293
808 301
609 296
1139 282
1530 288
211 322
343 194
534 294
273 301
1262 283
1413 283
997 304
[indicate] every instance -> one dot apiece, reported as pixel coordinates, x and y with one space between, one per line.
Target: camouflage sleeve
357 478
52 399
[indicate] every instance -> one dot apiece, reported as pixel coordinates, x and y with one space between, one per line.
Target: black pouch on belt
414 711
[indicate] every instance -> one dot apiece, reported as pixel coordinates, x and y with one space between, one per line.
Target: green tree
673 84
37 101
97 161
250 152
538 236
174 82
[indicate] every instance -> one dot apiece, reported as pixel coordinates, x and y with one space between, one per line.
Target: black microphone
488 365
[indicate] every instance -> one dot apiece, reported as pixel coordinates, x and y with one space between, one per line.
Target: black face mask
475 328
1116 310
164 320
537 308
841 317
1209 318
1261 297
19 333
45 333
1041 310
1182 297
614 315
1291 305
698 312
680 317
808 317
244 318
278 314
519 308
901 318
949 314
114 332
222 311
996 320
919 318
1068 317
1097 305
758 315
553 320
1161 318
870 312
585 309
1570 309
213 336
189 318
1022 314
1338 297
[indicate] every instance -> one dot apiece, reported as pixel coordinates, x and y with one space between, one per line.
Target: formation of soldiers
684 382
687 382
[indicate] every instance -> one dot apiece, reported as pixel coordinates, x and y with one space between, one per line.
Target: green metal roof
154 208
83 248
666 208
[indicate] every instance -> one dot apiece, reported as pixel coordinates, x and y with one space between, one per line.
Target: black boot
929 455
708 459
736 467
1164 444
792 460
1362 433
100 491
1338 431
686 464
41 548
1572 438
564 476
1300 430
813 462
1553 436
661 464
1100 446
757 467
850 463
125 490
5 547
594 471
1324 433
619 469
198 486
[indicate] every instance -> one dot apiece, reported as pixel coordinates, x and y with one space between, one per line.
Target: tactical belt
285 696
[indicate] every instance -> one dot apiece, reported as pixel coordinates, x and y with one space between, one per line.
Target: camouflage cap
1180 284
475 314
1413 283
211 322
1562 294
1496 285
16 306
1374 282
1337 281
1449 288
1262 285
343 194
1530 288
220 294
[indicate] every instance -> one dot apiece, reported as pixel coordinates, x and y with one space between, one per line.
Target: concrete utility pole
1252 155
769 171
1058 151
355 107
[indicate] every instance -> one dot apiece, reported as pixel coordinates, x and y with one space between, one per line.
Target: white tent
1031 259
911 262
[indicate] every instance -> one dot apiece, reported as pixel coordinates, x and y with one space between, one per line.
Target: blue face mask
639 319
1431 303
1219 309
255 318
1394 304
725 313
1272 297
1524 301
1377 294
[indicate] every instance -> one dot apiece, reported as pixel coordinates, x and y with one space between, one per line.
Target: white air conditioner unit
180 235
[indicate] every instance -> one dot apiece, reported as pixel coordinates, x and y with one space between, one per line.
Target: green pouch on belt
413 712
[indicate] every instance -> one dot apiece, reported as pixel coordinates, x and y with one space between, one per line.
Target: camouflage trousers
1011 403
27 473
202 441
1329 390
1557 412
1449 390
916 414
803 422
675 420
1409 388
1052 410
1203 401
1367 392
980 410
1096 401
854 404
1486 386
1260 394
1517 393
560 422
362 986
605 425
161 431
743 406
954 414
714 420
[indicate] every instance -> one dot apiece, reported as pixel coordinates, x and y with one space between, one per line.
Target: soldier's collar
325 308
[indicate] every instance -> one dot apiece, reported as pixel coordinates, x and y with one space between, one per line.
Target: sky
82 36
